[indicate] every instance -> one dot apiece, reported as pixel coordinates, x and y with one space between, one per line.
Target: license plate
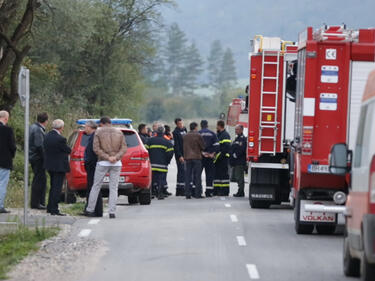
316 216
318 169
106 179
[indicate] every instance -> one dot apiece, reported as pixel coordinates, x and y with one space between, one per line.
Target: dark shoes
58 214
112 216
40 207
199 197
3 211
239 194
89 214
188 197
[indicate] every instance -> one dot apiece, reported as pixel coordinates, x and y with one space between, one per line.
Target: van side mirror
339 159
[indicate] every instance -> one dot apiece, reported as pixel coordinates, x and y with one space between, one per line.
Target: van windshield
131 139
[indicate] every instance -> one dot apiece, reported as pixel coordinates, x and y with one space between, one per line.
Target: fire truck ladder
271 110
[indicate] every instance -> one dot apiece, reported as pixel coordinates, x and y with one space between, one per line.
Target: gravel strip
63 257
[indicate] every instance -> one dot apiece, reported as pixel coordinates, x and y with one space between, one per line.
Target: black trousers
158 182
90 171
39 184
193 175
180 186
222 181
209 168
57 180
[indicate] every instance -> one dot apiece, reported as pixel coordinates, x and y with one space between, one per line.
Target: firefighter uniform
222 181
211 147
238 163
178 135
161 153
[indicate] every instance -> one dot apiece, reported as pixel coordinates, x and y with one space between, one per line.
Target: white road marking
241 241
227 205
84 233
253 271
94 221
233 218
222 198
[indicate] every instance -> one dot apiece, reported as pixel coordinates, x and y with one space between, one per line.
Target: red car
135 177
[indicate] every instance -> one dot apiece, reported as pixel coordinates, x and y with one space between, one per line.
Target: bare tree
14 31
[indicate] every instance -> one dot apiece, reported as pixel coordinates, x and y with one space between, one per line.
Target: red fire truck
270 120
333 64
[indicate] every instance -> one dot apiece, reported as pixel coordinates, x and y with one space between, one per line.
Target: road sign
24 94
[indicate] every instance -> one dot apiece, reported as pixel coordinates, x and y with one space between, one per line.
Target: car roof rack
123 121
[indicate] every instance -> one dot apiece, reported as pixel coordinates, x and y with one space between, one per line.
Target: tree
227 76
174 54
192 68
215 63
15 28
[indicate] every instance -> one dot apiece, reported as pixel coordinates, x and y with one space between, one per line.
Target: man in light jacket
109 146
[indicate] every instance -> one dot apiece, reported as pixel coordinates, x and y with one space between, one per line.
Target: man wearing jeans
109 146
7 152
193 148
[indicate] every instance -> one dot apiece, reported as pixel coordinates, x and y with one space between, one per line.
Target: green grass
75 209
17 245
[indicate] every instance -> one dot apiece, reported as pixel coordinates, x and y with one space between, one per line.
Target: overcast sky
235 22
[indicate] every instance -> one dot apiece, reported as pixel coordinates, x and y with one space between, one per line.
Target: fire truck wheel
256 204
325 229
351 265
367 270
133 199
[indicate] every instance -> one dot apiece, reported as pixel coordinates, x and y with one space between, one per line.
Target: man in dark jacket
161 153
7 152
193 148
238 160
178 135
36 158
56 162
90 164
221 181
211 147
142 132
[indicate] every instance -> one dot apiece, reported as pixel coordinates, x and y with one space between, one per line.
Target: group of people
196 150
49 152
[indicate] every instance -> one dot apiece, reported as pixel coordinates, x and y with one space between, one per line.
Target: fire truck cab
270 120
237 115
333 64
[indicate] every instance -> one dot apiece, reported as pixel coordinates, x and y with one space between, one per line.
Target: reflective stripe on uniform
170 149
158 146
217 156
225 141
221 184
159 170
209 187
227 155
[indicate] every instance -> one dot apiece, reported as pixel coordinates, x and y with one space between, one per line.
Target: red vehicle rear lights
143 156
307 139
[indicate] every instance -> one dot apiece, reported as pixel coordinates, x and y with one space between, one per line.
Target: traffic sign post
24 94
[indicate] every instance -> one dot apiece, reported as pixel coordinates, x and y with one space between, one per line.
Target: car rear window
131 139
84 140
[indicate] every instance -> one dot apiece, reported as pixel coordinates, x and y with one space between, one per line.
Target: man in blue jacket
211 147
238 160
178 136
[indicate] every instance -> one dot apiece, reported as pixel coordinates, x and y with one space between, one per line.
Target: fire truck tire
133 199
144 198
325 229
257 204
351 265
301 228
367 270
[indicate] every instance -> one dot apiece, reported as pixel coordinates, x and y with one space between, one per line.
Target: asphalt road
208 240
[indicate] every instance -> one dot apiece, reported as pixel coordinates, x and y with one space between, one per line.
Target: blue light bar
114 121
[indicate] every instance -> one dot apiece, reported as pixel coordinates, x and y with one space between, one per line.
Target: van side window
362 148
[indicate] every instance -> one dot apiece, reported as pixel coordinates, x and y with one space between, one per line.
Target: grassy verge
75 209
17 245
